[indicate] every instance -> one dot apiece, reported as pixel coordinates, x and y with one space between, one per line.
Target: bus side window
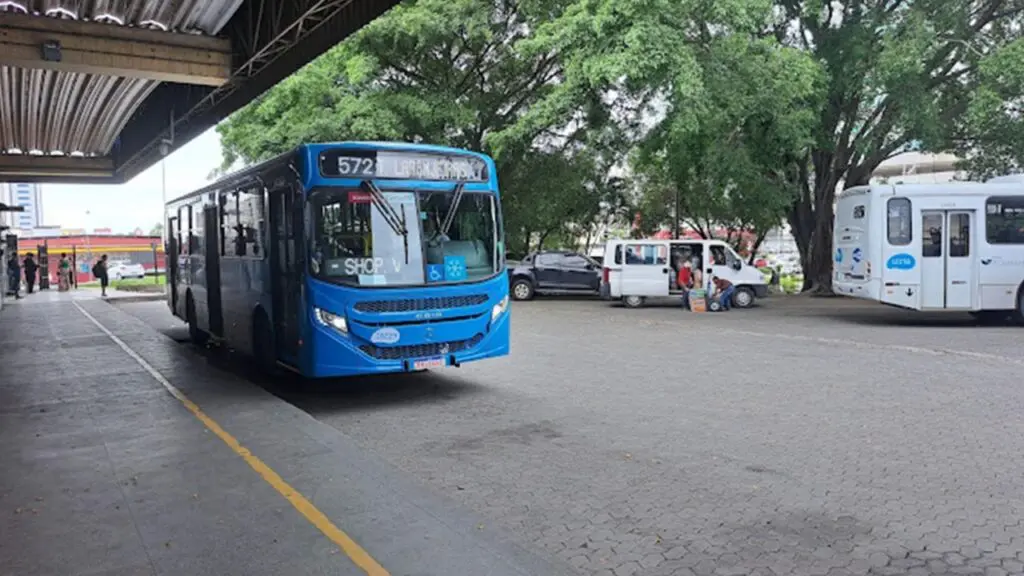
618 253
899 227
1004 220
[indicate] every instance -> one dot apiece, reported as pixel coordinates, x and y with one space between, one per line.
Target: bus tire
197 336
743 297
522 289
991 317
633 301
1018 313
263 348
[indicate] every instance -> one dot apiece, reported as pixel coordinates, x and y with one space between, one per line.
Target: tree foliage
740 112
895 74
448 72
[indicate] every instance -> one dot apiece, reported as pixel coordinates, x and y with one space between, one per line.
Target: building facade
27 196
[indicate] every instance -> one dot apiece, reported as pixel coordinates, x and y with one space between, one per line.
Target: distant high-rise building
27 196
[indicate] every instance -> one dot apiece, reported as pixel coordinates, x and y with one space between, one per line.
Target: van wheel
197 336
263 345
633 301
743 297
522 289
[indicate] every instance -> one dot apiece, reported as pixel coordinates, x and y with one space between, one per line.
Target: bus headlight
333 320
499 308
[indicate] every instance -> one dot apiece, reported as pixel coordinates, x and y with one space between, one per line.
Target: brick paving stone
817 436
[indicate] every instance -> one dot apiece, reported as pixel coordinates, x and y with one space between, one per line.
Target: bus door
285 274
947 268
171 262
211 269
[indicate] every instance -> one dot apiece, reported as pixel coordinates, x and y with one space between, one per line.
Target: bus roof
950 188
310 152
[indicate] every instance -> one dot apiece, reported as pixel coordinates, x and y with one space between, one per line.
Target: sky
137 203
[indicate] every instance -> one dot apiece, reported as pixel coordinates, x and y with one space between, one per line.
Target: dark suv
554 272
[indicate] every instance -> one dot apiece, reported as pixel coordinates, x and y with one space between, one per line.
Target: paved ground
810 436
124 454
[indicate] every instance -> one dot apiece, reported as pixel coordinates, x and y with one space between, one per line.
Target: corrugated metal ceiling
66 113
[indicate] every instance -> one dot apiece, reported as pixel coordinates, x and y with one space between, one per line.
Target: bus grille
420 350
414 304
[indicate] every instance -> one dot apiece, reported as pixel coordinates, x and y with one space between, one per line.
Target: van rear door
645 269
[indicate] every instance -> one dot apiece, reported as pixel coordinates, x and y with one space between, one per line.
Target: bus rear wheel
197 336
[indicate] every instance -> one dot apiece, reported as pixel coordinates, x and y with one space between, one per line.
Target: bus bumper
346 359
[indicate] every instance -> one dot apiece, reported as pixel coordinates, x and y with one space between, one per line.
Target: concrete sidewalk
106 472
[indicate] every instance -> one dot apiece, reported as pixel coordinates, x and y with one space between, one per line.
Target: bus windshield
403 238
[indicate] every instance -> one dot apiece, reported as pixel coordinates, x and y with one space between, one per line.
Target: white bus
955 246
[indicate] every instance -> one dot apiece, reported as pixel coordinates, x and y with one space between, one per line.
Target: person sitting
723 291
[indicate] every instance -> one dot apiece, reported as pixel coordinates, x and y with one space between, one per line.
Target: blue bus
344 259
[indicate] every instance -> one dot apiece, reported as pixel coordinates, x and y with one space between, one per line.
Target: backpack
96 271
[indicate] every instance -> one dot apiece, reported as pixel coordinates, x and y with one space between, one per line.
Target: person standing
64 274
14 276
99 270
31 269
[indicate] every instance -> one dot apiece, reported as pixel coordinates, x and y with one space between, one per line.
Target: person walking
31 269
64 274
99 270
14 276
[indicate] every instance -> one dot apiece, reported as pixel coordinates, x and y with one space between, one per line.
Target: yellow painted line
353 550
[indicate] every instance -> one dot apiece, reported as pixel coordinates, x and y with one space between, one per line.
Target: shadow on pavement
907 318
338 395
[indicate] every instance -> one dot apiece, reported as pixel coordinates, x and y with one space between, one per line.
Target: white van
635 270
954 246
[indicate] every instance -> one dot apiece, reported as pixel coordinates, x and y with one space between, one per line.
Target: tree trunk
758 240
810 219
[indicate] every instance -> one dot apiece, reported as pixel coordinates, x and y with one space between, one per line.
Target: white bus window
931 235
899 228
858 212
1004 220
959 235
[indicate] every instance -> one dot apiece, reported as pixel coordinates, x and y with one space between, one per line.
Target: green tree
447 72
896 74
157 229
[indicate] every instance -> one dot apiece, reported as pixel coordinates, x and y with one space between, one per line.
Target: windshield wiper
450 216
395 221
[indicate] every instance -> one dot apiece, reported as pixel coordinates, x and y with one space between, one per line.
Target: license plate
428 363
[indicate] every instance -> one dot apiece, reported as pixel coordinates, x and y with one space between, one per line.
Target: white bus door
959 263
946 263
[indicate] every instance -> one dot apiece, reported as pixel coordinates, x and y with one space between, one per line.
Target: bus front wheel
1018 314
263 347
197 336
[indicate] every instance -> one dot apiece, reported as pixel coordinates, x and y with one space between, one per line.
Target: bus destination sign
404 166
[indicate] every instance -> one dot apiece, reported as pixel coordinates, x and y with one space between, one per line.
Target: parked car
554 272
120 269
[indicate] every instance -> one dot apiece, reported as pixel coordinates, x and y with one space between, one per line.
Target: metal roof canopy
95 97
